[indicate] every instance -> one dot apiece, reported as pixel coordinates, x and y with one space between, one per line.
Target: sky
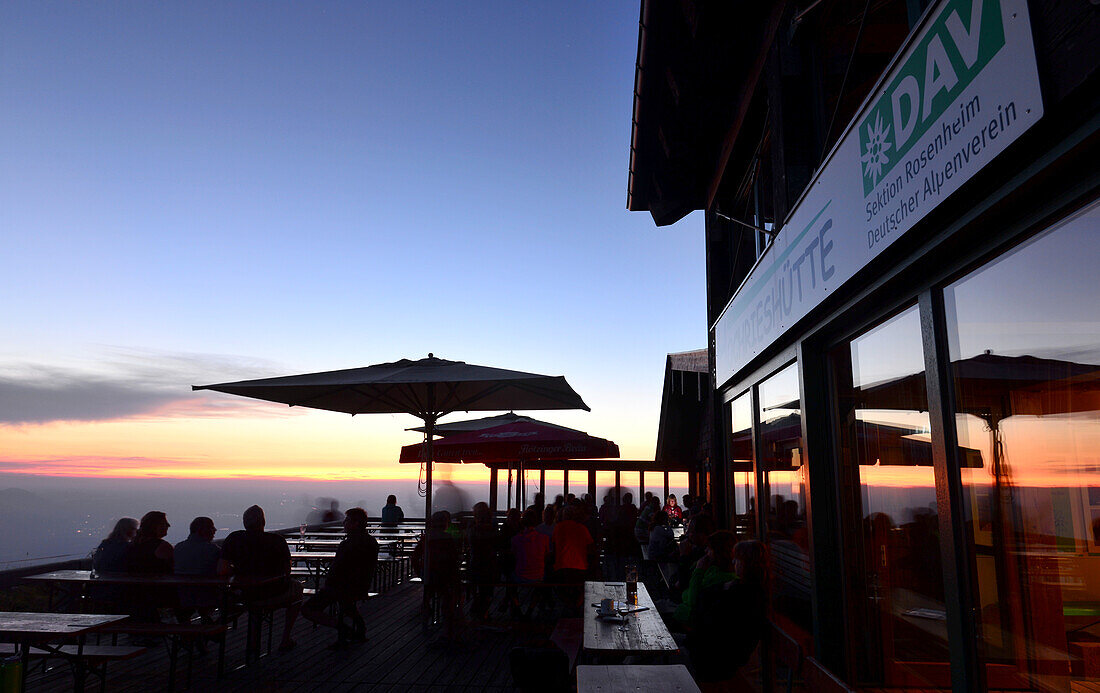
208 191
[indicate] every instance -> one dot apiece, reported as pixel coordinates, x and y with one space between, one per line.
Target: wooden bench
96 657
175 634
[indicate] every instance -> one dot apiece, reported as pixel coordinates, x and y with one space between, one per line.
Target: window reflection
742 474
890 515
785 497
1024 337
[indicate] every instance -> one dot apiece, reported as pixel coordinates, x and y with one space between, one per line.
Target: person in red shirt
674 512
530 547
573 552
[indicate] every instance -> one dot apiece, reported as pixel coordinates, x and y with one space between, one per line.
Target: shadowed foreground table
645 632
26 629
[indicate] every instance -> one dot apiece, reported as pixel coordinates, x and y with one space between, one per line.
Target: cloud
126 384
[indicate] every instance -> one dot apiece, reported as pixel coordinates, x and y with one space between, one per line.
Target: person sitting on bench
198 555
348 580
252 552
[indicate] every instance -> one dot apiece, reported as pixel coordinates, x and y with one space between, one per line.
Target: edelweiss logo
874 157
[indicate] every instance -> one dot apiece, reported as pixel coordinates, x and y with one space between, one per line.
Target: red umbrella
522 440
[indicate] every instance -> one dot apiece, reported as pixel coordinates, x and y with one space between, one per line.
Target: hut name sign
962 90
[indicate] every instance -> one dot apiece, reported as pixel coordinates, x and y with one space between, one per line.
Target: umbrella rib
545 392
305 402
458 403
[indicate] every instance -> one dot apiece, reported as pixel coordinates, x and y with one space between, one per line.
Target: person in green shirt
714 568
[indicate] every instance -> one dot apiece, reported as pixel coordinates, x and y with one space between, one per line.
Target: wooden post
493 492
641 486
519 486
509 496
592 487
542 483
666 488
618 490
565 485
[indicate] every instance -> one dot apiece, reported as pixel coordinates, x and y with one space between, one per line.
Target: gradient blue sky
201 191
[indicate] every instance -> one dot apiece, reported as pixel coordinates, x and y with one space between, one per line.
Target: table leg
78 666
26 665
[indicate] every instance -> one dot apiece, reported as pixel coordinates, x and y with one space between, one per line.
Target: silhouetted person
549 515
731 618
662 542
392 514
110 555
149 553
333 513
714 568
620 544
506 559
198 555
482 540
436 559
645 518
530 547
574 551
348 580
254 553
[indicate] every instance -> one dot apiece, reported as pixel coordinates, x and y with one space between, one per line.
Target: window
889 510
1024 342
784 499
742 472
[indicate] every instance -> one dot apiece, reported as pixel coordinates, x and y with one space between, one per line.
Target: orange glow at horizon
253 444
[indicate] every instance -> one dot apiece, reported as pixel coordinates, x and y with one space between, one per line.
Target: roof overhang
697 67
683 429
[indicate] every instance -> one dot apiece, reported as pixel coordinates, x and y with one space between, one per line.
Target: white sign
964 89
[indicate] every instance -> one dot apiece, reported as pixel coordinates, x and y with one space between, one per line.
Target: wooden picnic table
41 629
645 633
317 563
630 678
382 541
81 579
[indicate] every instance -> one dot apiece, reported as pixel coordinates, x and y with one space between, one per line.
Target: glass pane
891 520
742 474
1024 336
785 498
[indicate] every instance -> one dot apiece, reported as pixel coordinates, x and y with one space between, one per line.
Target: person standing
573 552
482 543
348 581
436 558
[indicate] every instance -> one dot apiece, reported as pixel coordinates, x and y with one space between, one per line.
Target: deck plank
397 654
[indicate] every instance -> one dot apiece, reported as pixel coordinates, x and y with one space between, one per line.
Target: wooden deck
398 655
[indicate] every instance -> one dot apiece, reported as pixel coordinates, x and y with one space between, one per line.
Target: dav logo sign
959 43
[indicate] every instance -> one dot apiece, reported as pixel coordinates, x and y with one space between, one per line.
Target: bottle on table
632 584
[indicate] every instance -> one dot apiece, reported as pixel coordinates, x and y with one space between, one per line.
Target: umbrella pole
429 434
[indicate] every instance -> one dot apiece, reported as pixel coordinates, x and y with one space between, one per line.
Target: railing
11 577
